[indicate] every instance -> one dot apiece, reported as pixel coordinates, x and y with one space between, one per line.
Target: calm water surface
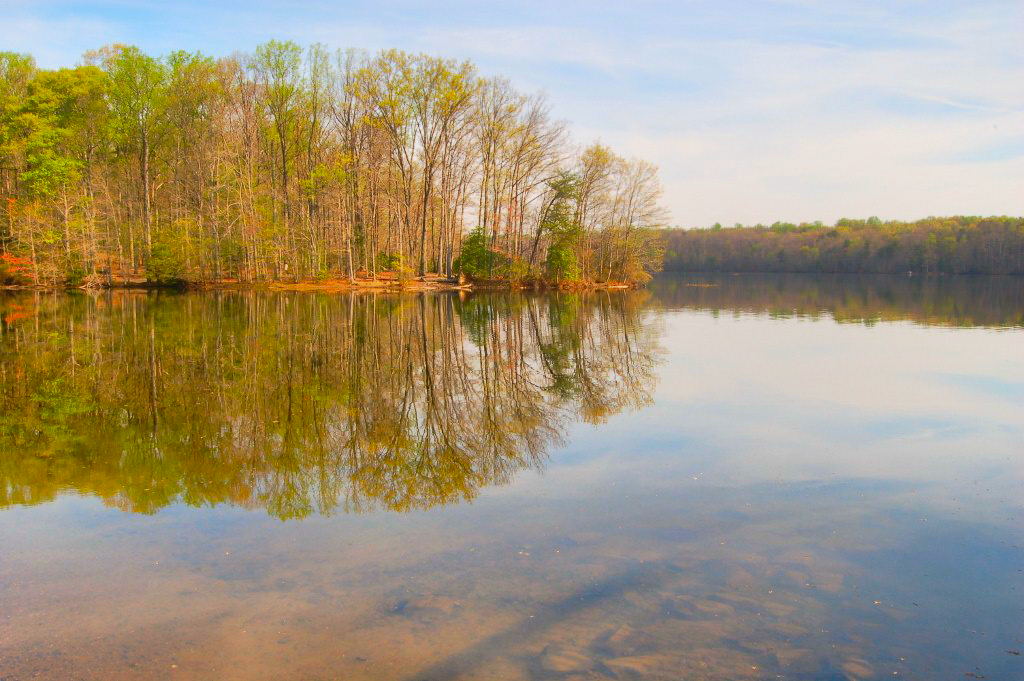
717 478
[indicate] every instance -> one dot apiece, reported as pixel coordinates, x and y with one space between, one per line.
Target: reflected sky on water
717 478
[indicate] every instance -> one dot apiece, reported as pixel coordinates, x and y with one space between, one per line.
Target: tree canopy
298 162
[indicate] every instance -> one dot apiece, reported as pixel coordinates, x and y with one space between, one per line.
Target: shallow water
717 478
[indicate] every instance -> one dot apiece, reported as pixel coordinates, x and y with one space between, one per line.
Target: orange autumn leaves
13 269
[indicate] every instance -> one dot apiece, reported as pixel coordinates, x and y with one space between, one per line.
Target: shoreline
383 284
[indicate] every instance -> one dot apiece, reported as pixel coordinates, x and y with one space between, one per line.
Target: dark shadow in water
548 617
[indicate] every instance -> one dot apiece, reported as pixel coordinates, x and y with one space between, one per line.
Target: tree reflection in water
303 404
964 301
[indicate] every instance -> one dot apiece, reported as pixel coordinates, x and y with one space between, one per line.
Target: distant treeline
949 245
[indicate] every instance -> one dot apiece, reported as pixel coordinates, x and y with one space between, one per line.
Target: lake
729 477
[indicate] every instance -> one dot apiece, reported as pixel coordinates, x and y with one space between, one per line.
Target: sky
755 111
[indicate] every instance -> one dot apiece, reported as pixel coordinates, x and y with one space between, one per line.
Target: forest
299 163
949 245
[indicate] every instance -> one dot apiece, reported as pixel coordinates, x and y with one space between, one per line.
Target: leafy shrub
165 266
389 262
476 259
76 276
561 262
14 270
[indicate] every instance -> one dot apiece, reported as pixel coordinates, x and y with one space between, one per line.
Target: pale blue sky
754 111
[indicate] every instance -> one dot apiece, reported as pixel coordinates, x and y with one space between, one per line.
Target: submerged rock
426 606
564 659
858 668
627 641
642 666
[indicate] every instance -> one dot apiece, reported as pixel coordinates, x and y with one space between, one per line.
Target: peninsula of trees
952 245
300 164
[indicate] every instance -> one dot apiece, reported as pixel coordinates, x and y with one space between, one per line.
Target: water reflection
303 404
796 499
947 301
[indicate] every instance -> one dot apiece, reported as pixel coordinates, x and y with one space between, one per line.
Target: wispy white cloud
755 111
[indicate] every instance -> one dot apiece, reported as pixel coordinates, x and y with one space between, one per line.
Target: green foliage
561 262
137 95
232 253
277 66
16 72
58 109
325 177
75 276
515 270
564 231
48 171
476 258
165 265
389 262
